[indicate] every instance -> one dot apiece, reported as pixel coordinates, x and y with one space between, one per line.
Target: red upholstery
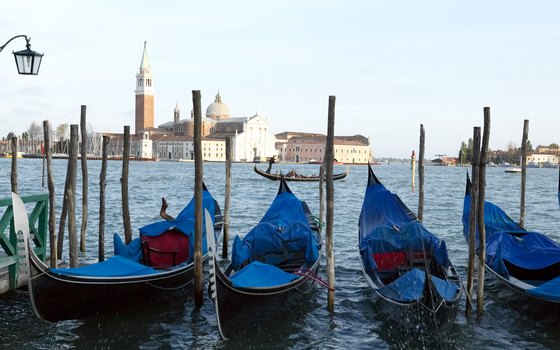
168 249
389 261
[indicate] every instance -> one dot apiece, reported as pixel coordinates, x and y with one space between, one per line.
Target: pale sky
392 65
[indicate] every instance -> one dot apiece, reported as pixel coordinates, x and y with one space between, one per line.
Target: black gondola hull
56 297
276 177
241 310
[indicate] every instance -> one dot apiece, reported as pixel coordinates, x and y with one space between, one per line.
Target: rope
312 275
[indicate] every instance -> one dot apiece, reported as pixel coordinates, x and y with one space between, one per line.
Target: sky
392 66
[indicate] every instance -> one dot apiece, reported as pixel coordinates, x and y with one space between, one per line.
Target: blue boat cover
548 290
116 266
506 240
184 222
410 287
127 257
284 229
258 274
132 251
508 243
387 225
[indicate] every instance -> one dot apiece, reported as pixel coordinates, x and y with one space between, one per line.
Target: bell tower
144 95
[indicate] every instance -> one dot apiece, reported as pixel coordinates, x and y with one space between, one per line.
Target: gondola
272 268
293 176
407 267
527 262
155 267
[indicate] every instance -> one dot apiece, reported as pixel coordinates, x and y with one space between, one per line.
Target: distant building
543 158
299 147
250 136
547 150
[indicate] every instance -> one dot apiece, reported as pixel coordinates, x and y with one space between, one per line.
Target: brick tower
144 95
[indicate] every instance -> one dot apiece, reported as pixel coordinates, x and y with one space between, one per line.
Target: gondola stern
468 185
283 188
372 179
214 270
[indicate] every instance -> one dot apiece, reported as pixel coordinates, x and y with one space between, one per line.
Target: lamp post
27 61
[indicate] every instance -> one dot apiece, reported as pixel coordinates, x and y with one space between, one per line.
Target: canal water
508 323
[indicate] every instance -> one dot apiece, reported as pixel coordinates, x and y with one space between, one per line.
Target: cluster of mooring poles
68 212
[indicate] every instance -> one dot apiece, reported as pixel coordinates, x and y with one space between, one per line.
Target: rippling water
355 324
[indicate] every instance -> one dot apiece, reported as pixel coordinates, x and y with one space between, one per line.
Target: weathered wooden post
321 194
124 185
523 171
50 184
197 198
227 199
71 195
421 174
83 154
480 216
413 167
102 185
13 177
328 161
63 213
472 217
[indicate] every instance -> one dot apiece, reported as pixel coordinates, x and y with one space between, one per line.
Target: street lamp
27 61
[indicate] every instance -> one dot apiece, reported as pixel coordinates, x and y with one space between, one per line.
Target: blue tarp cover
116 266
506 240
132 251
447 290
257 274
184 222
283 229
548 291
408 287
387 225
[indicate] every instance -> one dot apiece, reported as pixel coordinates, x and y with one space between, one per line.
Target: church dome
217 110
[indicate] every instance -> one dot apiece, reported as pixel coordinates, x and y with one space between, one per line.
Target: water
355 323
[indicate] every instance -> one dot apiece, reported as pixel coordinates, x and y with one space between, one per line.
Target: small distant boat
533 164
528 262
513 170
549 164
294 176
407 266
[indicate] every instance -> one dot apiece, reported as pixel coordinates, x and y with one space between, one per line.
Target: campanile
144 95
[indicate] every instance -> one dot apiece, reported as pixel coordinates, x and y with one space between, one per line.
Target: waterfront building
296 147
543 158
181 148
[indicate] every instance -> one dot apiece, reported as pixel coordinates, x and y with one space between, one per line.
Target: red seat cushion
389 261
166 250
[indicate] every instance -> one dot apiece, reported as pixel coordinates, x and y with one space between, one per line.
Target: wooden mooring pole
227 199
421 174
50 184
328 162
413 168
523 171
321 194
198 295
480 216
63 214
124 185
71 195
472 218
13 177
83 155
102 185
